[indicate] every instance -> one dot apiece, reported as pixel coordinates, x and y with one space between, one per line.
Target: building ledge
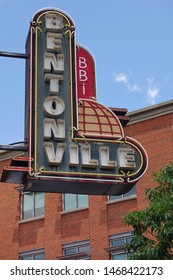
150 112
6 154
31 220
76 256
74 210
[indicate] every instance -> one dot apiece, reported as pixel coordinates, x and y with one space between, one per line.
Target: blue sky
132 42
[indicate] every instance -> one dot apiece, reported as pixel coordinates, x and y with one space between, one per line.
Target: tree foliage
153 226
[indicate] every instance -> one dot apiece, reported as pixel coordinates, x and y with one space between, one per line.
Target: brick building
65 226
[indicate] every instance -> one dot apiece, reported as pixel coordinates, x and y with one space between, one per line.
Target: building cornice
151 112
8 154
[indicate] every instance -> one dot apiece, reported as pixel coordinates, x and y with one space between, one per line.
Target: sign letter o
53 106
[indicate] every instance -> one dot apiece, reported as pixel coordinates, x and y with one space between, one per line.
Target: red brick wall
98 227
31 235
115 213
96 223
9 217
156 135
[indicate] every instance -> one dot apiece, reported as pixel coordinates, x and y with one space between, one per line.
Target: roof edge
150 112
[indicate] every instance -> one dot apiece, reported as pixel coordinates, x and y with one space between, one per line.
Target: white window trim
31 219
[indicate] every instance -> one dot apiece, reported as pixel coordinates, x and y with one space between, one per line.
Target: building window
74 201
32 205
118 245
130 194
76 251
32 255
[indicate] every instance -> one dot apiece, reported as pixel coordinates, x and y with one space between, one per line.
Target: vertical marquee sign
75 144
51 44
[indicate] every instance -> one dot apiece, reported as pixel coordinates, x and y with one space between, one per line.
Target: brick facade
153 128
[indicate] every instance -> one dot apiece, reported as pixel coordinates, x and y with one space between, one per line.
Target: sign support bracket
14 55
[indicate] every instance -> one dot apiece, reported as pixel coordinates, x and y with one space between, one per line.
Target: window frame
76 200
78 254
32 253
33 217
123 197
122 248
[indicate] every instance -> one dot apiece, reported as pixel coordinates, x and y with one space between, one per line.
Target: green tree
153 226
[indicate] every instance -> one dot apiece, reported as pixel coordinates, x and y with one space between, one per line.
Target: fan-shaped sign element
96 120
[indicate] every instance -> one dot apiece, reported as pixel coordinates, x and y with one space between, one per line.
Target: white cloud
121 78
152 95
124 79
152 91
133 87
149 89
